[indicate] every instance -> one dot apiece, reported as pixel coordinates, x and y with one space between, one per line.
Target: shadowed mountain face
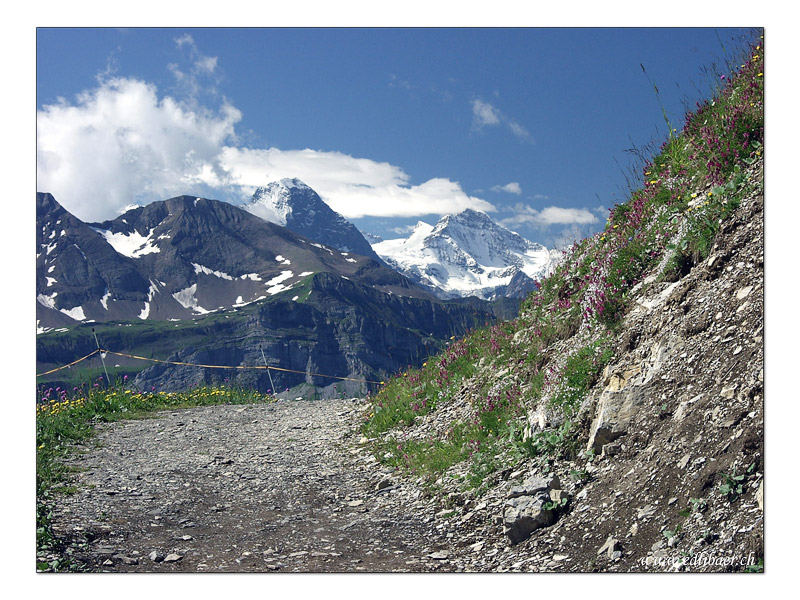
205 281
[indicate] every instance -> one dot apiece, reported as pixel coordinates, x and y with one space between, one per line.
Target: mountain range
197 280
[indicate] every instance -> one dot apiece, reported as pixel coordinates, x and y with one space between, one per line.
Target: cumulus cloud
548 216
354 187
484 114
511 188
121 143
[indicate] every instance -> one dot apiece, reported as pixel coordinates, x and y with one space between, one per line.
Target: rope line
187 364
75 362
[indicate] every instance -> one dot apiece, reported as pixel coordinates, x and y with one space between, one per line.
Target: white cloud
354 187
511 188
121 144
484 114
548 216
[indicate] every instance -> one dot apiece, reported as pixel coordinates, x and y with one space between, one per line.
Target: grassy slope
690 187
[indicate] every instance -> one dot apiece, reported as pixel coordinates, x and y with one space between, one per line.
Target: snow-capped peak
292 204
467 254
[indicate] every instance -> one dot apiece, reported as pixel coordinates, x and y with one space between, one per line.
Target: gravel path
282 486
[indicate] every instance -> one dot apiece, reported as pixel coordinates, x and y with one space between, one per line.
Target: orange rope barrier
75 362
172 362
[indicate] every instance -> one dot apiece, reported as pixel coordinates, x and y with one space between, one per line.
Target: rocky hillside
618 423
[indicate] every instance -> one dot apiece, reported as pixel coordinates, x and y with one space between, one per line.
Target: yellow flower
694 195
760 75
654 181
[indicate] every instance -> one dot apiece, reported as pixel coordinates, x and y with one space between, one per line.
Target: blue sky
389 125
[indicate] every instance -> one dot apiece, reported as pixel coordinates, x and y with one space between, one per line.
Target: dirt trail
253 488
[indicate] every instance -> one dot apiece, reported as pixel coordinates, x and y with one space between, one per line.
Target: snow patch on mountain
203 269
76 313
132 245
186 299
47 301
152 291
275 285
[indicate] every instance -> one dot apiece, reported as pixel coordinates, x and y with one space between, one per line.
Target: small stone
355 503
684 461
156 556
760 496
609 547
440 555
172 557
646 511
383 484
610 449
744 292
